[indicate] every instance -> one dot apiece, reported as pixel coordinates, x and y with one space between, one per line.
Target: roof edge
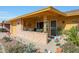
38 11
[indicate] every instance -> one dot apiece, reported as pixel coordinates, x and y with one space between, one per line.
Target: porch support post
19 25
45 24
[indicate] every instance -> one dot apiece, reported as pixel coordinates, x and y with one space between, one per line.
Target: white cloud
4 12
5 18
4 15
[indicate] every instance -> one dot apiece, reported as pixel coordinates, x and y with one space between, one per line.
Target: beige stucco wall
35 37
71 21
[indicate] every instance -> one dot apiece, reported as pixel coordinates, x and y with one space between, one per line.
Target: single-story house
37 26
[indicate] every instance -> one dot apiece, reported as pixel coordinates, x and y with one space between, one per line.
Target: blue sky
7 12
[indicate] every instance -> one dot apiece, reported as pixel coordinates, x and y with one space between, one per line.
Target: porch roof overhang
49 9
72 13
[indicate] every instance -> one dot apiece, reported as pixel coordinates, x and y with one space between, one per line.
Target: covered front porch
44 23
37 24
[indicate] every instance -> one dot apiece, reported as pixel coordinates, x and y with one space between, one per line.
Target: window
39 25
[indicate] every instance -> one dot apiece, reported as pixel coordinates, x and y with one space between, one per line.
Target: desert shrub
59 31
72 36
72 45
17 48
7 39
70 48
21 48
30 48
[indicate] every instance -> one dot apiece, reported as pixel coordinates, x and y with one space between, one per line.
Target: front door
53 28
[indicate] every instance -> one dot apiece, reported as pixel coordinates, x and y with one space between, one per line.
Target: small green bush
72 45
72 36
21 48
59 31
7 39
18 48
30 48
70 48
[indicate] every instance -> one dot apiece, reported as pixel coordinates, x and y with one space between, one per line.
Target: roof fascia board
39 11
